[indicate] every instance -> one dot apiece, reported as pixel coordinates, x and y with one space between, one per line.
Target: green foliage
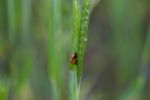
80 33
3 89
21 63
36 35
54 62
80 20
82 36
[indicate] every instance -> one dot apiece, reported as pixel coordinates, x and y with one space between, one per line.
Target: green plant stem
82 37
54 67
73 86
19 22
11 20
144 61
26 22
80 20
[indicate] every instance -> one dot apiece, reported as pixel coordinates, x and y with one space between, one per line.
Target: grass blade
80 21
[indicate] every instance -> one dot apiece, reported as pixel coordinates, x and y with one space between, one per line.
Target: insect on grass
73 58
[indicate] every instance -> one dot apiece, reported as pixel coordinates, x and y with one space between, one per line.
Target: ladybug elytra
73 58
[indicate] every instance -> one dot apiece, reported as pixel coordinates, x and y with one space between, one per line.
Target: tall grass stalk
11 20
19 18
26 22
54 67
4 87
80 20
141 80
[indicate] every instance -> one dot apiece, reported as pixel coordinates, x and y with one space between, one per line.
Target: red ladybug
73 58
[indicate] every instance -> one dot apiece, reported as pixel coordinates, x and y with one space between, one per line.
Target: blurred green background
36 34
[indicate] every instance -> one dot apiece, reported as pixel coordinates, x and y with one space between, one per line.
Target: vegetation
81 16
110 40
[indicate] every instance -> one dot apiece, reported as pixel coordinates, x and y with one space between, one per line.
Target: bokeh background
117 56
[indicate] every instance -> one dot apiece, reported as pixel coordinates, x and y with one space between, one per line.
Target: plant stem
54 67
80 21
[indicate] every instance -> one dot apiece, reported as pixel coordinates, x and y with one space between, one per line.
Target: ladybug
73 58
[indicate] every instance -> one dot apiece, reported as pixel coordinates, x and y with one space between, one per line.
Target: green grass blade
3 89
82 37
26 22
73 86
19 18
80 20
11 20
54 65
